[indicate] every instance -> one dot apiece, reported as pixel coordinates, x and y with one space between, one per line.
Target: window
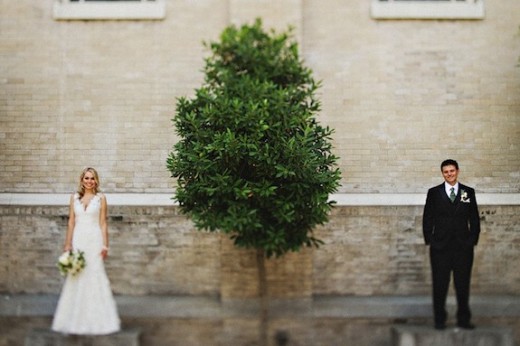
427 9
108 9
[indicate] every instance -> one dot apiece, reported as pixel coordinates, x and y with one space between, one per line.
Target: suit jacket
445 222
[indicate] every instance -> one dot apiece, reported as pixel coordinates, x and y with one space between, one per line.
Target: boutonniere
464 197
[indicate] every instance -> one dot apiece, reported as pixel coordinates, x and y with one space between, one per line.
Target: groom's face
450 174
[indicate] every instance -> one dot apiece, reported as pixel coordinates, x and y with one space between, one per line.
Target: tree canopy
252 160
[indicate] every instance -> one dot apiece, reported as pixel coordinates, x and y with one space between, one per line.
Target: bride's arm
104 226
70 226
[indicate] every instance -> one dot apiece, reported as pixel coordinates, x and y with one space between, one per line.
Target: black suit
452 230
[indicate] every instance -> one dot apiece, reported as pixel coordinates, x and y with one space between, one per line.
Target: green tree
252 161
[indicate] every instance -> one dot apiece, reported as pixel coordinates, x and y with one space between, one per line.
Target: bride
86 304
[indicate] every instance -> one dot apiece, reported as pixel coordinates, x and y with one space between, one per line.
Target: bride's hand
104 252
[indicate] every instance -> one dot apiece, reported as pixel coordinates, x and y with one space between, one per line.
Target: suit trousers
457 259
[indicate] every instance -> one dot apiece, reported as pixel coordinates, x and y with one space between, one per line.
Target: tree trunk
263 295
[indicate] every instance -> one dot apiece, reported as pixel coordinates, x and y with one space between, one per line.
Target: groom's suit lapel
443 196
459 194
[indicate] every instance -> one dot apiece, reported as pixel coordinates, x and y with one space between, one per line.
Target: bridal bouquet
71 262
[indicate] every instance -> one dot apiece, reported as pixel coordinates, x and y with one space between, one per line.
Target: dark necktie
452 195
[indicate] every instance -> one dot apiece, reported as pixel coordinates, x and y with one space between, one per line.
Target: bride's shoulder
74 197
102 199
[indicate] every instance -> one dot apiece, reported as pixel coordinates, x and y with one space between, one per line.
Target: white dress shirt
448 188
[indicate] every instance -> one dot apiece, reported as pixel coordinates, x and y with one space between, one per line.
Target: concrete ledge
45 337
323 307
481 336
165 199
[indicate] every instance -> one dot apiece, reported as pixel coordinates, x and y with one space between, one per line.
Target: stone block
46 337
428 336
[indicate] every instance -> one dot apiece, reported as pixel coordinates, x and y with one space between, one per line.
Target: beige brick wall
404 95
401 94
155 251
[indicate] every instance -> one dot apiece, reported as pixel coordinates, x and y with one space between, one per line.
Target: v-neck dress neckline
85 206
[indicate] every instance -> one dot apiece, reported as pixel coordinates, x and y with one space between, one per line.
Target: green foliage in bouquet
252 161
71 262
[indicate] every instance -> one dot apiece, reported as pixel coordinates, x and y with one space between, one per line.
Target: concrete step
46 337
319 306
427 336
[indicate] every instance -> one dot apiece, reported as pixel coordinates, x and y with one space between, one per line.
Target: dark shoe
440 326
469 326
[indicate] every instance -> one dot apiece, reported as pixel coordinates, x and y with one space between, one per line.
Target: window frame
427 9
109 10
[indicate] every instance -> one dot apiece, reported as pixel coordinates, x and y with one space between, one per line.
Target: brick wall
154 251
402 95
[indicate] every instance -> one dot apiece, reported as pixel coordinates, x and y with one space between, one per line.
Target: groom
451 227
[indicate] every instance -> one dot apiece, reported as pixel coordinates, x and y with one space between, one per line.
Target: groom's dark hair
449 162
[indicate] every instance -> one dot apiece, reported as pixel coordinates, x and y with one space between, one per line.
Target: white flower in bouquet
65 258
71 262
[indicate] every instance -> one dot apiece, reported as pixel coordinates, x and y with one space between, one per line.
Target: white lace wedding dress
86 304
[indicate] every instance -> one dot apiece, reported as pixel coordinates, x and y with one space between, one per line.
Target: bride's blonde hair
81 188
